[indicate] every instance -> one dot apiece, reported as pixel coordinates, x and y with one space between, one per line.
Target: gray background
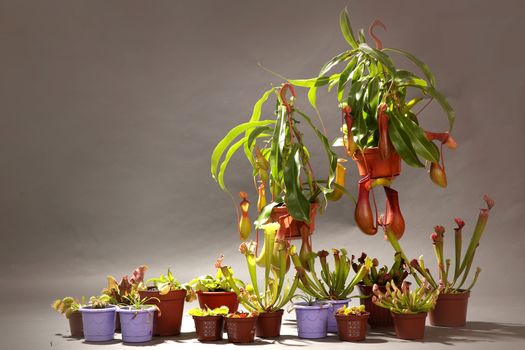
109 111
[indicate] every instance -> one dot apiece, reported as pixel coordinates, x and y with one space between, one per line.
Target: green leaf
256 116
297 204
408 78
308 83
421 144
334 61
379 57
265 214
402 143
346 28
332 156
257 132
228 139
424 68
343 78
312 97
224 164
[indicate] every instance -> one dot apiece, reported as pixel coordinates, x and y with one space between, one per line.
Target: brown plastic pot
379 316
289 227
269 324
375 165
208 328
450 310
171 307
241 330
75 324
217 299
410 326
352 327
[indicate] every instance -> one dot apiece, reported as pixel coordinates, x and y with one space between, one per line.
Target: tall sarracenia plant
452 281
277 291
333 284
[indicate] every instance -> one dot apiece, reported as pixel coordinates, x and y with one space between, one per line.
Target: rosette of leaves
166 283
331 283
219 311
68 305
119 291
403 301
217 283
380 276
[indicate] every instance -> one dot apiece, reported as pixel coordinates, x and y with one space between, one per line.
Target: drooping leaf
297 204
402 144
379 56
424 68
265 214
423 147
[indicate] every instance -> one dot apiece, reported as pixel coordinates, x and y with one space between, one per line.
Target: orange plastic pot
410 326
171 307
450 310
289 227
269 324
217 299
372 163
208 328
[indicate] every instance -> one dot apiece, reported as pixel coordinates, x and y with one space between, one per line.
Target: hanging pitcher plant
281 165
380 115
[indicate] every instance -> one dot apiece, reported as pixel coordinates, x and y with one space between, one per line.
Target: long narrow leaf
424 68
346 29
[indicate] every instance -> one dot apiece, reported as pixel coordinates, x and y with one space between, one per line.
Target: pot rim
463 294
129 310
364 315
238 319
215 293
318 306
89 309
209 317
418 315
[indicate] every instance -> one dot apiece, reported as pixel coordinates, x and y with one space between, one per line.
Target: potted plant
312 317
333 287
268 303
69 307
98 319
452 303
379 317
352 323
215 291
380 114
169 296
136 318
280 161
240 327
120 291
409 308
209 322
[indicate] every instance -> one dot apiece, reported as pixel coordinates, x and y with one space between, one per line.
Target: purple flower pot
335 304
99 324
136 325
312 320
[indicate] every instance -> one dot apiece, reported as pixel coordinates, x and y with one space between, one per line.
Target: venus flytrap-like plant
277 292
68 305
403 301
333 285
219 311
462 265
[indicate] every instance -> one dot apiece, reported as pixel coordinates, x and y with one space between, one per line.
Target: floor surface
490 326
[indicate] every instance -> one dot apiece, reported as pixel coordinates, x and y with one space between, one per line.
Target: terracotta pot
377 166
410 326
379 316
290 227
208 328
217 299
171 306
269 324
241 330
75 324
352 327
450 310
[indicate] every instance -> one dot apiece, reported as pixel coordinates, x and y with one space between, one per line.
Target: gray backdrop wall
110 110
